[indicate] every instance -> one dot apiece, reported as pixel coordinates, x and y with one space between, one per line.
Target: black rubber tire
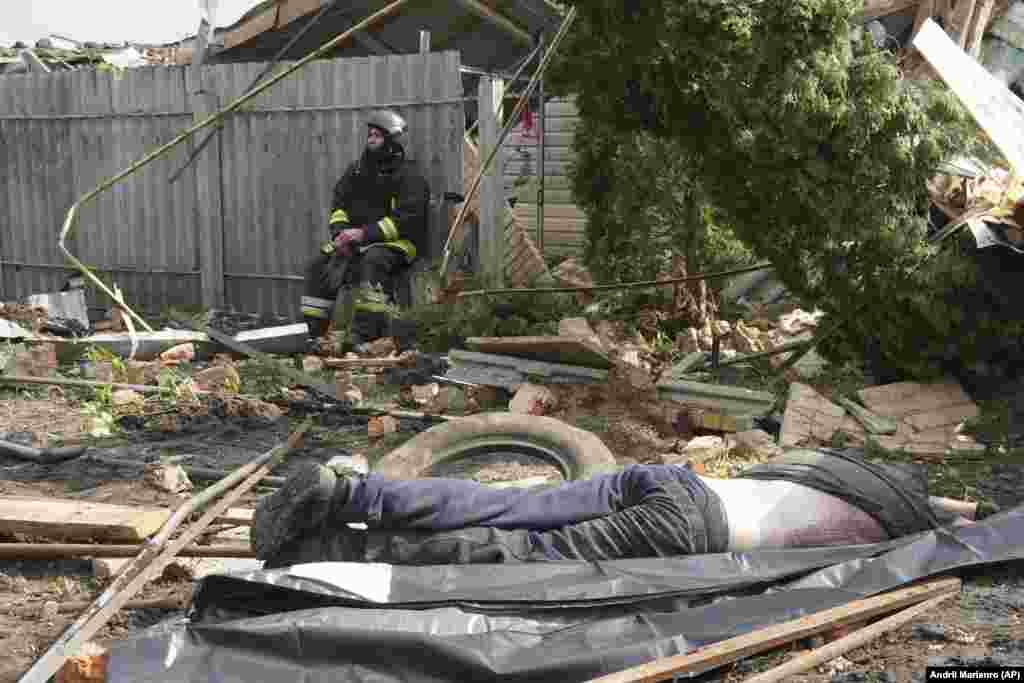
577 453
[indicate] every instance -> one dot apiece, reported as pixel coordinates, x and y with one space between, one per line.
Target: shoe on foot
301 504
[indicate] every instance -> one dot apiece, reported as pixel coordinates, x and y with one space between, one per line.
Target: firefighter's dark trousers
371 272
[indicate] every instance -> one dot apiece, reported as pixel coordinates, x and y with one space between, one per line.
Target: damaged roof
492 35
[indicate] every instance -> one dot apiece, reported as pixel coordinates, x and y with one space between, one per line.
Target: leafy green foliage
810 146
440 327
644 206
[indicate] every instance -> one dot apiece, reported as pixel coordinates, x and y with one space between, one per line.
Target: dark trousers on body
370 272
639 511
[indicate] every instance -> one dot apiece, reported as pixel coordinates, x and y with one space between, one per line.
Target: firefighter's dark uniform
391 202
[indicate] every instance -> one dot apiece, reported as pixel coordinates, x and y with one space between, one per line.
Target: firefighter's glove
348 237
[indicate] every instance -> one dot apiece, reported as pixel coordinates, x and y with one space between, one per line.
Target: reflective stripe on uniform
339 216
313 312
371 307
404 246
388 229
316 302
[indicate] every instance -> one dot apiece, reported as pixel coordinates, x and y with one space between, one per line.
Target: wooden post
960 21
424 42
492 192
210 223
982 15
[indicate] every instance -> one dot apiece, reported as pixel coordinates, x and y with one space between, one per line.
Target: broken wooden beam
839 647
875 9
550 349
300 378
57 551
77 520
365 363
741 647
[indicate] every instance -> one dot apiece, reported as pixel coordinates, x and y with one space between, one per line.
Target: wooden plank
264 21
839 647
551 210
978 26
564 350
77 520
873 9
925 11
740 647
960 21
997 110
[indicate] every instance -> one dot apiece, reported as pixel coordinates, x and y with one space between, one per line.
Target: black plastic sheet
566 621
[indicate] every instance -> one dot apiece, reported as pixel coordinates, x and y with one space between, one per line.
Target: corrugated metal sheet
63 134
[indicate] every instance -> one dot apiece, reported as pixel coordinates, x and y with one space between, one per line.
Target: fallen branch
620 285
740 647
62 551
847 643
156 555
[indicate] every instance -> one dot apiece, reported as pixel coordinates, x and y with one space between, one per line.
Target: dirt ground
986 617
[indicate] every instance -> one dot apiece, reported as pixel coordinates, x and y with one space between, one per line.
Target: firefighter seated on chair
378 223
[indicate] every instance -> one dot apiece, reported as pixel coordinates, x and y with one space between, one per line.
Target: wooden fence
564 222
238 225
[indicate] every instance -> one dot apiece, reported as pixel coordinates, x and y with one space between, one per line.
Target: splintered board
74 520
563 350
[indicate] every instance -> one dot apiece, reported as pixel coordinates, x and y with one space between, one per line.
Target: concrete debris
754 444
811 419
874 424
381 426
349 464
37 360
379 348
747 339
27 317
12 330
570 350
236 406
49 611
182 353
533 399
579 328
312 364
88 666
140 372
796 322
928 416
218 378
126 398
704 448
68 305
688 341
169 478
425 393
571 273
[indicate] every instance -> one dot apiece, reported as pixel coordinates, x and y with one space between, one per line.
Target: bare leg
957 507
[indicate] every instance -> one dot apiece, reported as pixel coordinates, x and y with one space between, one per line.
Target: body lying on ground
804 498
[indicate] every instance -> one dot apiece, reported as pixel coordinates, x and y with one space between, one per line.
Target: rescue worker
378 225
